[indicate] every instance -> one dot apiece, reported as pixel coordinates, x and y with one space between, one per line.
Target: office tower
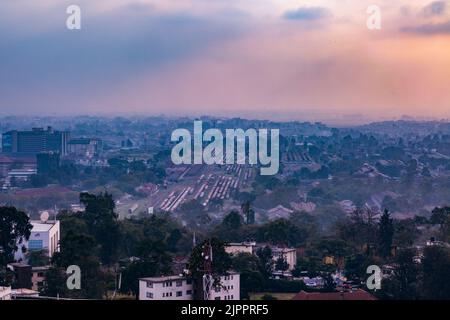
35 141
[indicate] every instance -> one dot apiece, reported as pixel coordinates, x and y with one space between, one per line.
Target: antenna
44 216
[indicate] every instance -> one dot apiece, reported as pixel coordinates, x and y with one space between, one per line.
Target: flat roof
38 226
163 279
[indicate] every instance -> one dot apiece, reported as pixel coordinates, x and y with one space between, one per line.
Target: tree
153 261
329 285
37 258
265 261
251 278
281 264
436 268
385 234
404 280
248 212
102 222
232 221
80 250
15 228
221 264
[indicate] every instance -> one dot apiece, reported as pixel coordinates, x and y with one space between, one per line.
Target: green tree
15 228
153 261
265 256
385 234
248 212
221 264
281 264
403 283
102 221
80 250
436 270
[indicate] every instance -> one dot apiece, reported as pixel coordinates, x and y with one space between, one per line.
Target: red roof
346 295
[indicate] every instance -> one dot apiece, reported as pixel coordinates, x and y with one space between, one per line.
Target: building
5 293
44 236
288 254
240 247
180 288
35 141
22 275
279 212
344 295
38 277
84 147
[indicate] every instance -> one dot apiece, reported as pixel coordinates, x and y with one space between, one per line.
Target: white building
180 288
240 247
5 293
44 236
288 254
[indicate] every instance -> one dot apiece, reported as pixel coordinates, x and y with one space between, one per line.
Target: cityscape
103 194
251 152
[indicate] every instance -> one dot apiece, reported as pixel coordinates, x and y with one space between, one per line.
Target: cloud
307 13
429 29
436 8
108 50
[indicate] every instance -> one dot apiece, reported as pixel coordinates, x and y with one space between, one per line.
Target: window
35 245
217 298
150 295
231 297
170 294
179 283
188 281
179 293
188 292
149 284
40 274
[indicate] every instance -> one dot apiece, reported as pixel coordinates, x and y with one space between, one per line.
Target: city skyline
281 60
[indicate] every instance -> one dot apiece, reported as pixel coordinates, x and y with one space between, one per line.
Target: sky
272 59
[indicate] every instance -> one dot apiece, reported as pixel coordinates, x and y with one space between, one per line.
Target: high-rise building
35 141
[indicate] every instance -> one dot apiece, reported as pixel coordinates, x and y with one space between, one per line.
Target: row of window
166 284
169 294
230 297
227 288
228 278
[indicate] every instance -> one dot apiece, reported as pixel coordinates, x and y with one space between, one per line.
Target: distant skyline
266 59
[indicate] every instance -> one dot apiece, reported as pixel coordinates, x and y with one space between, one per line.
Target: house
240 247
345 295
38 277
181 288
279 212
288 254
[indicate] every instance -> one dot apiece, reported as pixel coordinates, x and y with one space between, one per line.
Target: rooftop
38 226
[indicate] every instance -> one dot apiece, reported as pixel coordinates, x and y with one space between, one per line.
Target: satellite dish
44 216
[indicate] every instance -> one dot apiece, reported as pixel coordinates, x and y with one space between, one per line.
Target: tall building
35 141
